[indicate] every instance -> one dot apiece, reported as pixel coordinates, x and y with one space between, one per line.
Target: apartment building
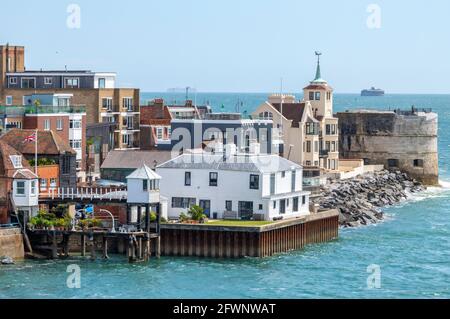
51 112
95 90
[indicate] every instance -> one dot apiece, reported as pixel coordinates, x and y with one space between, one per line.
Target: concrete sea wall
11 243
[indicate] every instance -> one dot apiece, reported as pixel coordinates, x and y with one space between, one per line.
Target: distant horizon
240 46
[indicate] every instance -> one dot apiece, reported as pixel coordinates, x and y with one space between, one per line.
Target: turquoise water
412 248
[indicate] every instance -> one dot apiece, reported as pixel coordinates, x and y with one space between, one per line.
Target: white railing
90 193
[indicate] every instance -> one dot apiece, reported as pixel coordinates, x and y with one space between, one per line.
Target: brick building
96 90
56 159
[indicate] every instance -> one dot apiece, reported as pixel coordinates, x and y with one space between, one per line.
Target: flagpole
35 153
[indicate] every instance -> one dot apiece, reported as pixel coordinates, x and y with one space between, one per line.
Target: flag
30 138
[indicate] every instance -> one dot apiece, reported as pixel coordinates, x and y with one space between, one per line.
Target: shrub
153 217
196 213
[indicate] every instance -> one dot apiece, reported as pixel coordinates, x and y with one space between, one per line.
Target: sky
401 46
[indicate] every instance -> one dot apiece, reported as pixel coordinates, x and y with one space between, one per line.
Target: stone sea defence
360 200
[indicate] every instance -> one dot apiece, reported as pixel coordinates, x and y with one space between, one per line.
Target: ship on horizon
372 92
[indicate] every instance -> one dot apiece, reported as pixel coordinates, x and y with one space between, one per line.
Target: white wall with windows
229 190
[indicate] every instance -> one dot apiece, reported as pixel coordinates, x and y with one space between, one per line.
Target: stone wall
11 243
377 137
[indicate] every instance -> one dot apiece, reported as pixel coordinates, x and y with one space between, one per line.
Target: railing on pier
88 193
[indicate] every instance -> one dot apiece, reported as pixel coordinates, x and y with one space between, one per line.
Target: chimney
230 150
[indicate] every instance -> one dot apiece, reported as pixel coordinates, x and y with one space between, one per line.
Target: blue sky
240 45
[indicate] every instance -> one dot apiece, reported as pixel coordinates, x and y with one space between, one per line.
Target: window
16 161
260 207
159 133
392 163
274 204
295 204
328 96
53 183
71 83
13 80
418 163
75 124
317 96
125 139
101 83
128 103
283 174
66 165
254 181
187 178
28 83
169 132
107 103
9 100
145 185
47 124
59 124
182 202
33 188
213 177
228 205
75 144
293 180
272 184
308 146
43 184
20 188
48 81
303 200
311 96
333 146
311 128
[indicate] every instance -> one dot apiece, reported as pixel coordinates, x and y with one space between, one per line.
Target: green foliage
90 223
153 217
196 213
49 219
183 217
43 161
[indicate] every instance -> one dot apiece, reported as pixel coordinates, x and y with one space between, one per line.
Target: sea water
408 253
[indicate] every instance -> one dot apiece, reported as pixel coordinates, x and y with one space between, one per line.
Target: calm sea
411 248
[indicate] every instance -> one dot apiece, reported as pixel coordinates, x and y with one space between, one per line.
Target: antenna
281 107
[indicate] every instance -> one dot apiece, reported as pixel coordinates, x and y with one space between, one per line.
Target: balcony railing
41 109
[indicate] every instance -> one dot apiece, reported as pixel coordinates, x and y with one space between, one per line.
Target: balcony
41 109
324 153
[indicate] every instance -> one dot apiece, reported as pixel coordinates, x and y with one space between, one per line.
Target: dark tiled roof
49 143
135 159
292 111
6 166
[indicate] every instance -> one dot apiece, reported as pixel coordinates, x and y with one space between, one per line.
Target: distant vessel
372 92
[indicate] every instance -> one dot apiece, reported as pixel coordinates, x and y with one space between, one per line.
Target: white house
25 192
234 186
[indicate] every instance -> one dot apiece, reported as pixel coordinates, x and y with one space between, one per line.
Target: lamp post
113 229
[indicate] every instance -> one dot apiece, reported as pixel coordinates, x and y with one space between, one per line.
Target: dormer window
16 161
